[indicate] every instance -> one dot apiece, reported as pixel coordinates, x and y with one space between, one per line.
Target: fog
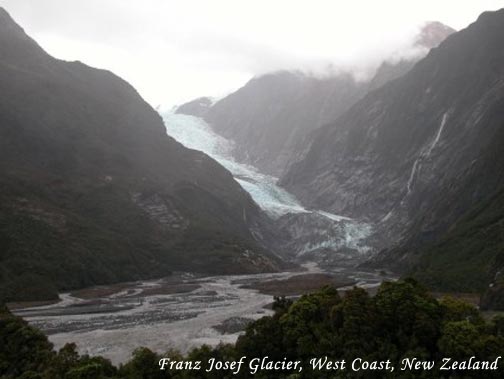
173 51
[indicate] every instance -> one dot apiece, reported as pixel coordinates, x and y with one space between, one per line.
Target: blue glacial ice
195 133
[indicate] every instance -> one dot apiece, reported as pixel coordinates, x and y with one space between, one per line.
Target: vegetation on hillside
469 255
93 190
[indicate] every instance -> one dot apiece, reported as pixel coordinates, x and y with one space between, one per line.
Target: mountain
432 34
93 190
422 158
198 107
468 256
270 117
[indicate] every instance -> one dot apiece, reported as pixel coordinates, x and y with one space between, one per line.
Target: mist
175 51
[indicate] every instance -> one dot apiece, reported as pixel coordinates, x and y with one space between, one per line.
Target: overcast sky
173 51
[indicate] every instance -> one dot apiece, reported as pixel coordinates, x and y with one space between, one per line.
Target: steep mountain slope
430 36
198 107
94 191
420 152
270 117
470 254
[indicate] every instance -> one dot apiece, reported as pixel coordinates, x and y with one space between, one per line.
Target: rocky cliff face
94 191
417 154
271 117
198 107
432 34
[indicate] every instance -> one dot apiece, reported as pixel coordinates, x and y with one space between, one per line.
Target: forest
402 323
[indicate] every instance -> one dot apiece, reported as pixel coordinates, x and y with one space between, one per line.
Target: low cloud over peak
175 51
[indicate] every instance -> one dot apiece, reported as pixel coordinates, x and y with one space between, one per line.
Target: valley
302 215
186 310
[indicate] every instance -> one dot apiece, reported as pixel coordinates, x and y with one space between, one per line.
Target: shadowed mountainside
422 157
94 191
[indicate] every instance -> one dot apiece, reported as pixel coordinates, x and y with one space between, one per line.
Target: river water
179 312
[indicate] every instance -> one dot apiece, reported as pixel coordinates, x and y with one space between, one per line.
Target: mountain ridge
418 153
271 117
94 191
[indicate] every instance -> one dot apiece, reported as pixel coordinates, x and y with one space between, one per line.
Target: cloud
172 51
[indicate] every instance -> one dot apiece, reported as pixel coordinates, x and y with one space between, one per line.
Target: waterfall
417 164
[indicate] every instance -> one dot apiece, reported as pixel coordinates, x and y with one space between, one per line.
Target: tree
23 349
